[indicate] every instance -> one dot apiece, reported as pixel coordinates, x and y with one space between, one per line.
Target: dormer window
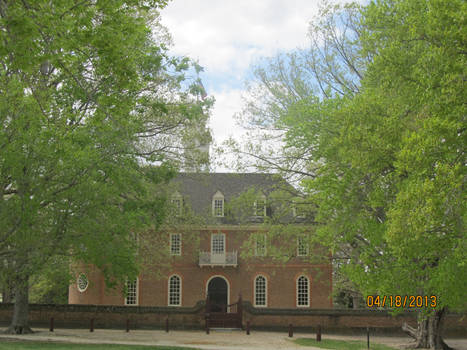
177 202
260 206
299 209
218 204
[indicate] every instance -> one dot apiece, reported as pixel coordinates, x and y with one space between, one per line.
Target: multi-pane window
303 291
260 291
218 204
218 243
260 247
131 292
175 291
175 244
82 282
177 203
302 246
260 207
218 207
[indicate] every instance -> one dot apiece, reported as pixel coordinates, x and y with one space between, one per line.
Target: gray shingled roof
198 189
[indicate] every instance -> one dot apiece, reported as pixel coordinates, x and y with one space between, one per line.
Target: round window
82 282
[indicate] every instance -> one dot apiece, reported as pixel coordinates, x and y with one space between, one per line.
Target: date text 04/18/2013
409 301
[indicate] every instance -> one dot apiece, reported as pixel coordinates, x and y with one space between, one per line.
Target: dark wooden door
217 291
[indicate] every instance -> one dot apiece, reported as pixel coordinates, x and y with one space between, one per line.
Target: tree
88 95
385 161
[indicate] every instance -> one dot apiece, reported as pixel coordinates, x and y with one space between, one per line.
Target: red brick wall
281 279
185 317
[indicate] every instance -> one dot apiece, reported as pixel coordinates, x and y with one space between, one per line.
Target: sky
226 37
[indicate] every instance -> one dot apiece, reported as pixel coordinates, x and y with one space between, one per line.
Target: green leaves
380 137
87 95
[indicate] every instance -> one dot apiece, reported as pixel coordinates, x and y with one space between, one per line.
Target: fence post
167 325
247 327
290 330
127 325
240 311
318 334
91 327
208 306
51 324
368 337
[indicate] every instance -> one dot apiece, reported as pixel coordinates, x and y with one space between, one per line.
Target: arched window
303 291
175 291
260 291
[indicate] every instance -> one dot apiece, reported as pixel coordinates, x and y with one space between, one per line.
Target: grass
20 345
341 344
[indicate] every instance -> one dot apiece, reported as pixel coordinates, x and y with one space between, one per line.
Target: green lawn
20 345
341 344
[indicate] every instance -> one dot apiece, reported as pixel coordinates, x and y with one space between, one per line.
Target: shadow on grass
341 344
32 345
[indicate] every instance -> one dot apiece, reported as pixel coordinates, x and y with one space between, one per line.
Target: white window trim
295 210
87 282
263 199
298 247
218 196
265 291
170 244
168 290
212 242
265 245
137 295
308 291
177 197
228 287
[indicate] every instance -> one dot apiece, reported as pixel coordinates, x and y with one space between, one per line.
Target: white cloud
226 34
223 125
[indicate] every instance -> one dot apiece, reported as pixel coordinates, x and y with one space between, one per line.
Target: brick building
224 253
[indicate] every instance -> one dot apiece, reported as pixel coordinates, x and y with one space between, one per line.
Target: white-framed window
177 202
82 282
260 245
218 204
303 291
299 209
302 246
175 291
131 292
175 244
260 206
218 243
261 290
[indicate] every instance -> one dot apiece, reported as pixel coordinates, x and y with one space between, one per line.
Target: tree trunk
428 332
7 294
19 323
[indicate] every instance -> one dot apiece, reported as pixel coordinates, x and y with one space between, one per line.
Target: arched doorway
218 291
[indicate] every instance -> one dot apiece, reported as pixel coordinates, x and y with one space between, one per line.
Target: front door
217 291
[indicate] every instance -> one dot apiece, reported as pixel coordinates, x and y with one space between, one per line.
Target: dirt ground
216 340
